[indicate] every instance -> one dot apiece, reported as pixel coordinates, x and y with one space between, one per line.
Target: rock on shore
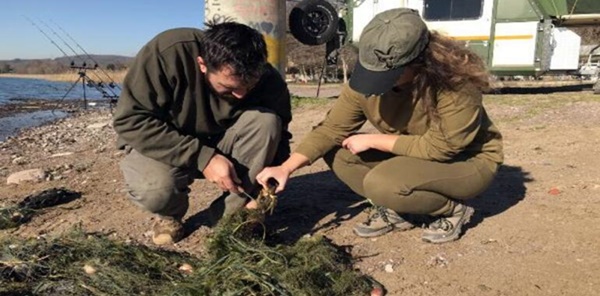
84 131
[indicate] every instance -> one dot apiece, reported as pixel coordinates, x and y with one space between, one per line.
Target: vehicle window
447 10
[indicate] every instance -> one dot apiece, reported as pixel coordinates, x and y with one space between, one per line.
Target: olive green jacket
167 112
463 130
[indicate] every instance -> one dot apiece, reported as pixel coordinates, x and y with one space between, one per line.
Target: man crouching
200 104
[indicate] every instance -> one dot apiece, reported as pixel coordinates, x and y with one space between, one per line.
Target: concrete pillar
266 16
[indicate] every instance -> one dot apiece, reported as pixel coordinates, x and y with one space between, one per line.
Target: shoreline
19 106
20 113
116 76
27 105
18 117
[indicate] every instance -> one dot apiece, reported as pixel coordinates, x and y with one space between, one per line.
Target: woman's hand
278 173
358 143
362 142
281 173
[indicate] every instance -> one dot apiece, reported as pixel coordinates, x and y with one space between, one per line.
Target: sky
119 27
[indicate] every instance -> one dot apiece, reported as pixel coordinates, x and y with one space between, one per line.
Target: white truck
514 37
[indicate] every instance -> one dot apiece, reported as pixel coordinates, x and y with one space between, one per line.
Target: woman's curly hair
446 65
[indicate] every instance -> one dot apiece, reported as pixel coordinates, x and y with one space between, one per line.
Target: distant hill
102 60
63 64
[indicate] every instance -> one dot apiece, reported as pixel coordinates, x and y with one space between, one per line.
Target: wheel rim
315 23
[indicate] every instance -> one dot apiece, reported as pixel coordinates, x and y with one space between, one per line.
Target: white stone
98 125
19 160
62 154
27 175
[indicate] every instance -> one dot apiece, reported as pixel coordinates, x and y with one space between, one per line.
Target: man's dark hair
236 45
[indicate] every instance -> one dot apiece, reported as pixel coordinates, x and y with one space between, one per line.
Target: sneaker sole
382 231
162 239
167 233
457 232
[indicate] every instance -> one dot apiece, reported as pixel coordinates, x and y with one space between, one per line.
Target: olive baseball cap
391 40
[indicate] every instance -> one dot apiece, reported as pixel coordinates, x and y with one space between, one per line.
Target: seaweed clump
13 216
240 261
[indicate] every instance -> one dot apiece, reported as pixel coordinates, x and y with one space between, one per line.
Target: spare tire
313 22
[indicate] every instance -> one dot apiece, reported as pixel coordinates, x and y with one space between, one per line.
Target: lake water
19 88
13 90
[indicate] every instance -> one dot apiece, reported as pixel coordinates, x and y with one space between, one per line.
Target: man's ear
201 64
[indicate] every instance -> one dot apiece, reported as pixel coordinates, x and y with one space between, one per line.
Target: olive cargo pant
251 143
411 185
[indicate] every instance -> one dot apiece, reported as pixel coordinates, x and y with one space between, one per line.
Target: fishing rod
63 41
82 70
97 85
112 82
51 40
47 36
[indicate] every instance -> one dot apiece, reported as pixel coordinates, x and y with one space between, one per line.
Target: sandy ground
535 231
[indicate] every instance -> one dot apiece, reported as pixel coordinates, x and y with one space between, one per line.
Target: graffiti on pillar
219 18
261 15
264 27
256 8
264 14
211 7
213 11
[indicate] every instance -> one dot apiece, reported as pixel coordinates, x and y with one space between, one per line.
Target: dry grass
96 75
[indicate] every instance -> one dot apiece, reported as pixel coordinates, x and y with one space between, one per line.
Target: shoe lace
375 212
441 224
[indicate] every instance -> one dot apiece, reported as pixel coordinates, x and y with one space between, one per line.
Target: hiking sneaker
446 229
167 230
381 221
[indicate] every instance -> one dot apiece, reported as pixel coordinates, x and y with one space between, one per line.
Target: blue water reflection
18 90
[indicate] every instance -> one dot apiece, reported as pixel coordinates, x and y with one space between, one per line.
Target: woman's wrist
383 142
294 162
288 168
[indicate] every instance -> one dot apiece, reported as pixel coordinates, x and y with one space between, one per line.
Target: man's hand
221 172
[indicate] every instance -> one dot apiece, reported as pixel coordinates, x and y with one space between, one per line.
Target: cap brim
369 82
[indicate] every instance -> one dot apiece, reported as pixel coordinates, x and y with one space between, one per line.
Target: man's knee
256 136
263 121
155 193
155 188
152 200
